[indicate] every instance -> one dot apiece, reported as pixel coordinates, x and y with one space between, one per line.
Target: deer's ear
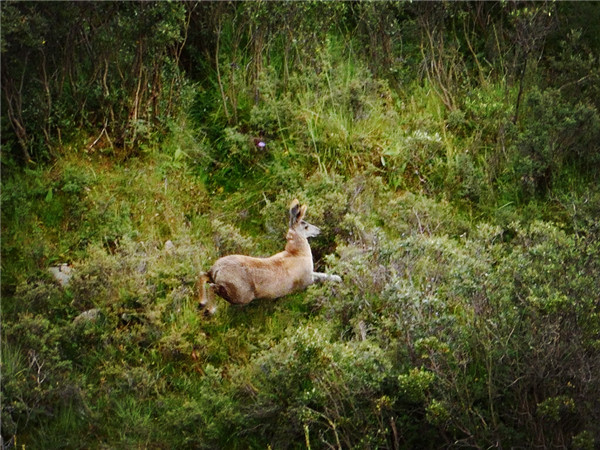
295 212
302 212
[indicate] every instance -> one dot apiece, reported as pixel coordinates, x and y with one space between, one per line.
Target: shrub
308 381
36 374
455 307
556 137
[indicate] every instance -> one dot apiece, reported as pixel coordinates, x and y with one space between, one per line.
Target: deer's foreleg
320 277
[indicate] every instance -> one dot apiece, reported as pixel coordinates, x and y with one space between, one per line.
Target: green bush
307 382
37 377
457 306
557 137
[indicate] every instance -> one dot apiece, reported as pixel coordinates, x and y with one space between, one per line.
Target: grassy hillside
456 191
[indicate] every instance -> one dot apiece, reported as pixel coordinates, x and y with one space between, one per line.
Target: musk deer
239 279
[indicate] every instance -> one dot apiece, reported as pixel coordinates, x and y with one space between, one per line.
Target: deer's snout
311 230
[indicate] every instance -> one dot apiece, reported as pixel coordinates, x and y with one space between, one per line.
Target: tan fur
239 279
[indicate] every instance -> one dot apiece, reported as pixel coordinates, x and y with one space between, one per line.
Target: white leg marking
319 276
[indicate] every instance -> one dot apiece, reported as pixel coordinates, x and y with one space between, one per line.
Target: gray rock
169 247
62 273
142 267
91 315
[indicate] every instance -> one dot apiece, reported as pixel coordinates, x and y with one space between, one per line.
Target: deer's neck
297 245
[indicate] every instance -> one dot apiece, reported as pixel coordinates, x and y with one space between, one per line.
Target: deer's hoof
209 312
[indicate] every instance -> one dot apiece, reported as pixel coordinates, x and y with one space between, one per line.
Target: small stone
90 315
169 247
142 267
62 273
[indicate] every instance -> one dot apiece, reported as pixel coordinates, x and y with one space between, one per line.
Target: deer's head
297 222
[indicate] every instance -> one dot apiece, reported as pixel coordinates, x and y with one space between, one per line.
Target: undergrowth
466 236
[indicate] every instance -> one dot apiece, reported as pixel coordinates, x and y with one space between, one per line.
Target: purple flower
261 144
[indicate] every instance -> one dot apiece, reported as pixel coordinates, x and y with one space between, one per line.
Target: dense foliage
448 151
